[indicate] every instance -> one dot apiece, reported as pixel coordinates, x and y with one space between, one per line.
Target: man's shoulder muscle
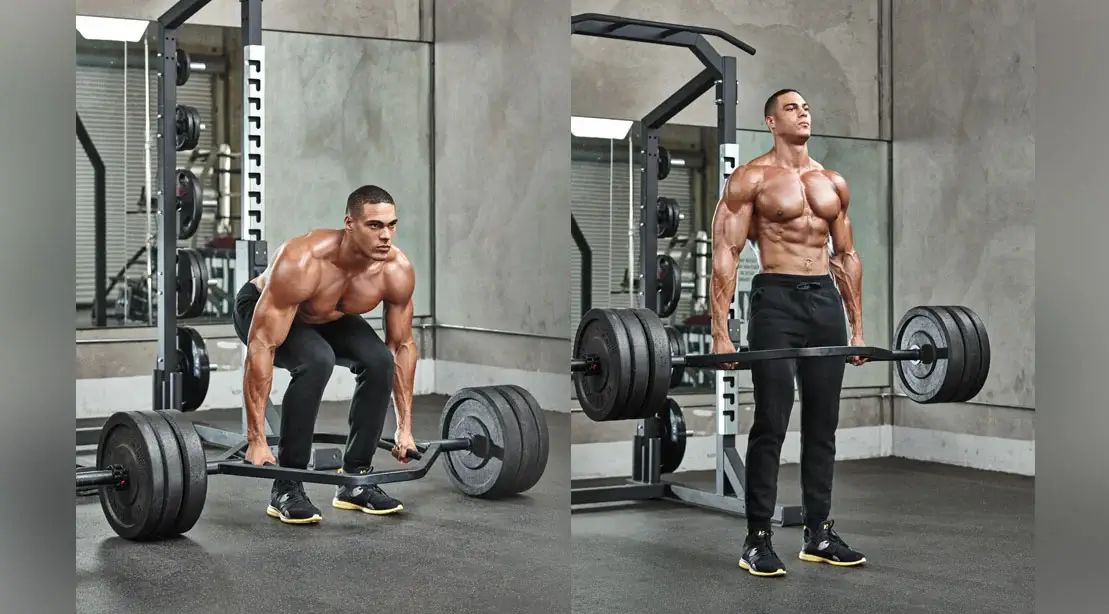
400 277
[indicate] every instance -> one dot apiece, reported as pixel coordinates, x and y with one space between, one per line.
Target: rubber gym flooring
937 539
445 552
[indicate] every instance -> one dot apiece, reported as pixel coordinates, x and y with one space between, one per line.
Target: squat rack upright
646 481
250 250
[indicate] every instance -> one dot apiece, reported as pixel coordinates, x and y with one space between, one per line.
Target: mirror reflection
605 203
117 91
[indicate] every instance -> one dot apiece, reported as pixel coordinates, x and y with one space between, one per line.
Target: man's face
791 117
373 230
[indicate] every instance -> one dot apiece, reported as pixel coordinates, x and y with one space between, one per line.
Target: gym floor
937 539
445 552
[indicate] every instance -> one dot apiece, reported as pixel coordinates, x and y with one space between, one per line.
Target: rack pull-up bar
641 30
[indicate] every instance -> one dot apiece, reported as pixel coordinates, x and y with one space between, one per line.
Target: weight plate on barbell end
195 471
922 382
672 447
490 468
640 373
134 511
184 67
603 395
660 367
663 163
984 346
190 202
533 433
677 348
195 367
976 350
544 447
669 285
174 472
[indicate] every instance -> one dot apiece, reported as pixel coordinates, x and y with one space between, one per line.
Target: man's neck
349 259
791 155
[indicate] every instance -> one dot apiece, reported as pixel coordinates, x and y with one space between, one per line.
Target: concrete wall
397 19
827 50
342 112
502 168
964 167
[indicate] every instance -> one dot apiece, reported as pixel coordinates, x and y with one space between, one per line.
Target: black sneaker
759 558
823 545
369 499
290 504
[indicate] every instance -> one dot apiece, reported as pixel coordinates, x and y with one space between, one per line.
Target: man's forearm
257 384
847 269
722 291
404 379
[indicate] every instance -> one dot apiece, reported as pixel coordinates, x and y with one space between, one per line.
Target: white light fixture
600 128
111 29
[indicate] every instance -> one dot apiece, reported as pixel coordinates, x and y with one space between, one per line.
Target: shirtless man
788 205
303 313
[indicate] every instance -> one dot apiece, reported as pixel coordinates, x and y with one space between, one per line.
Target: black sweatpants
309 354
794 311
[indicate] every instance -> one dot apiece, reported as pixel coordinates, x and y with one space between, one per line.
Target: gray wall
398 19
502 192
828 50
964 166
342 112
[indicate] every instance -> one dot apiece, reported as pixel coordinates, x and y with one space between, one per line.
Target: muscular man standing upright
303 313
789 205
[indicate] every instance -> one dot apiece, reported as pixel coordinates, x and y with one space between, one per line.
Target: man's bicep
273 317
398 322
843 240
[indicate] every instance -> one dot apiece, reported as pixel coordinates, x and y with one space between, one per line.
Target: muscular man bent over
303 313
789 205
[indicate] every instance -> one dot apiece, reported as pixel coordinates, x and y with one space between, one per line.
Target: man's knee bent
375 362
317 367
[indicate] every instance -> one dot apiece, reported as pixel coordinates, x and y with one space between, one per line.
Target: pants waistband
798 282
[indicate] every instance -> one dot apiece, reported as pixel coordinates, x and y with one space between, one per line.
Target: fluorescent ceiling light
111 29
598 128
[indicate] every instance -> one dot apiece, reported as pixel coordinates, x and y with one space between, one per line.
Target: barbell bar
624 362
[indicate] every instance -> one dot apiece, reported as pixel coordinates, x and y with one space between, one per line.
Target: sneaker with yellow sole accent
759 558
367 499
290 504
823 545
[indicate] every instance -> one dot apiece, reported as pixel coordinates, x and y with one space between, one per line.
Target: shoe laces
762 540
828 533
296 493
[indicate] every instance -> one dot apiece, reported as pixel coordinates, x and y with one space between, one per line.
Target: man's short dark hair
772 102
367 195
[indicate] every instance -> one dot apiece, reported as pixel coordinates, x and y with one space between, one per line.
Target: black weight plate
677 348
134 511
663 163
603 395
190 202
491 468
672 447
195 471
984 346
195 367
526 432
923 382
971 353
641 363
174 471
669 217
669 285
184 67
192 284
527 408
659 351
